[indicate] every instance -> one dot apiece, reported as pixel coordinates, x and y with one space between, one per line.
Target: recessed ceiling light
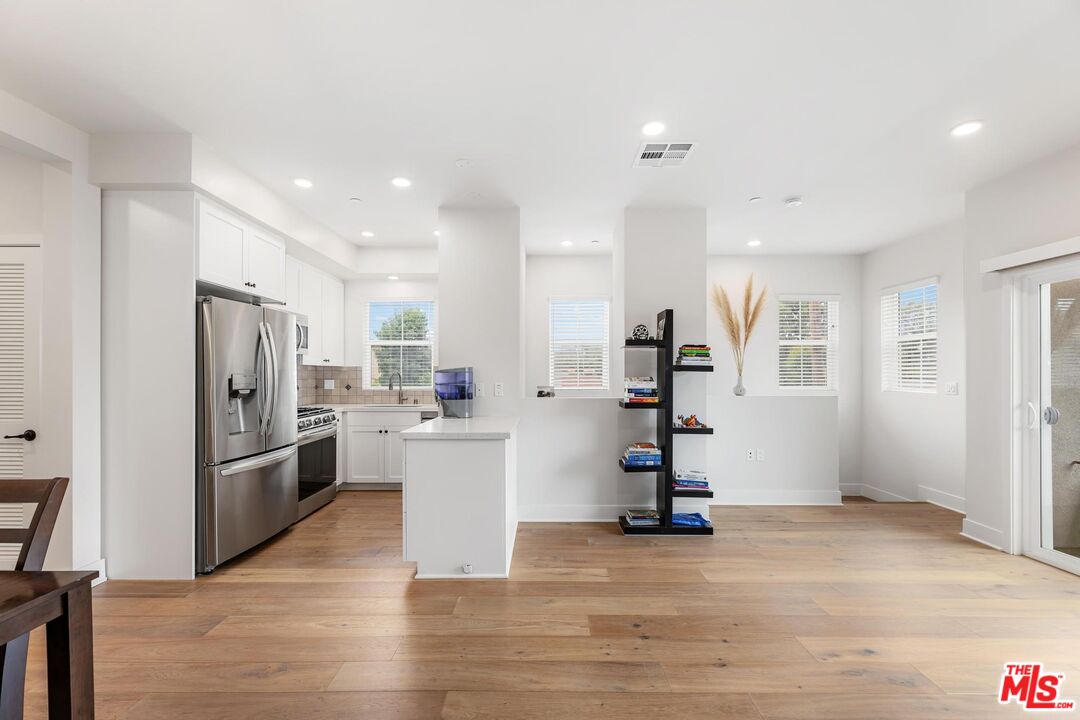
595 242
753 243
463 162
303 182
754 200
401 182
567 243
436 233
967 128
356 199
794 201
391 277
367 233
654 127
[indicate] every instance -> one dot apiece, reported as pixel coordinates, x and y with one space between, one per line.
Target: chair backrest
47 495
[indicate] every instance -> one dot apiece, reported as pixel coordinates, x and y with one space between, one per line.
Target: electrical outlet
759 454
478 390
498 389
952 388
750 455
327 384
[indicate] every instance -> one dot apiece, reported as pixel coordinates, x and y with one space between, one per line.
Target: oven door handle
314 435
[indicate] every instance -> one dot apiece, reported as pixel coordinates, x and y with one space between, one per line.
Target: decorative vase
739 388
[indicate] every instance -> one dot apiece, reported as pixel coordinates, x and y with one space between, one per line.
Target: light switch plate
498 389
759 454
327 384
952 388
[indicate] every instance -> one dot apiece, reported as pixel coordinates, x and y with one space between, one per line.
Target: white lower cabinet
374 449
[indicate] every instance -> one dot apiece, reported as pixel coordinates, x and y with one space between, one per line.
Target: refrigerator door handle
264 372
261 461
275 376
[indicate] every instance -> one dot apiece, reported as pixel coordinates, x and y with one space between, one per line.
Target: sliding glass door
1052 492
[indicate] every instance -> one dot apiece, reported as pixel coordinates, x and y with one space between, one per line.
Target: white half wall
799 438
913 443
837 275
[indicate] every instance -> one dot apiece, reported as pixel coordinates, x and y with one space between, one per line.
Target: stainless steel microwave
301 334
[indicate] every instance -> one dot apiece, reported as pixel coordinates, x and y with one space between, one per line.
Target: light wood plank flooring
862 611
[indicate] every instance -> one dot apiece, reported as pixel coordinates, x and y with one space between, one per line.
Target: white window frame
367 343
832 345
581 391
890 338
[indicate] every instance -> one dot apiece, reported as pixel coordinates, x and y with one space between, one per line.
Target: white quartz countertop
385 408
477 428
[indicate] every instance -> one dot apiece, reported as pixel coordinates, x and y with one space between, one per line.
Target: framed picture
660 322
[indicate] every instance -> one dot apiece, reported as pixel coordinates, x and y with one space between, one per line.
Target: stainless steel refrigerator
246 489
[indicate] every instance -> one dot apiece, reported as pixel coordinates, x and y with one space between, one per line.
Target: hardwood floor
863 611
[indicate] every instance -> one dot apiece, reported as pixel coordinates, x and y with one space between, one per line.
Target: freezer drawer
245 502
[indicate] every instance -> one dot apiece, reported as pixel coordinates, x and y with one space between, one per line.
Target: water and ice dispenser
454 389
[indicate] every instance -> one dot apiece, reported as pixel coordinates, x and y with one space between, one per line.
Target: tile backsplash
347 388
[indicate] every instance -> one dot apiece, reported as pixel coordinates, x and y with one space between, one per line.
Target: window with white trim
809 341
909 337
399 337
578 343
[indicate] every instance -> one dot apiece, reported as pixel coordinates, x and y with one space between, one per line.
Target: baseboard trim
941 498
360 487
98 565
775 497
984 534
462 576
847 489
880 495
570 513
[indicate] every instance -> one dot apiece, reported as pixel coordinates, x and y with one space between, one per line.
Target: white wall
20 194
148 339
479 300
1035 205
357 292
70 432
554 276
792 275
913 443
663 253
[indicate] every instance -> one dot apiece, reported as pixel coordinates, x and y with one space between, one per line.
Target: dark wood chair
47 495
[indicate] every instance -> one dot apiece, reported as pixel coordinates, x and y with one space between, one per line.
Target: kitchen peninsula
459 504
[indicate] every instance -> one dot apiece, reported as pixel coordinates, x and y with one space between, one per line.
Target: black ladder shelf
665 432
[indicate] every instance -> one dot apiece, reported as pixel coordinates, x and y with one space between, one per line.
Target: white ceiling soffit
845 102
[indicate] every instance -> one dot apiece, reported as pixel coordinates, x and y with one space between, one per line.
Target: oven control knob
318 421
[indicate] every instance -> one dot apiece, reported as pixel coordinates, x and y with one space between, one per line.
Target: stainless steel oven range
316 442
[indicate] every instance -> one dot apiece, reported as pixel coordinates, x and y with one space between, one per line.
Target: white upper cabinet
266 265
322 300
333 321
221 247
235 254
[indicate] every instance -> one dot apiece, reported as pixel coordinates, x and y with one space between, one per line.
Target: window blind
578 348
399 338
909 338
809 340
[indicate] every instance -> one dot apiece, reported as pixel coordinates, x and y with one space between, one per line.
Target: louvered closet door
20 328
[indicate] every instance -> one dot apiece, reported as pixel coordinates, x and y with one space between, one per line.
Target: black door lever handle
27 435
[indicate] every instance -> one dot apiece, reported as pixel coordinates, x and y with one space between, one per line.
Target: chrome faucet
400 387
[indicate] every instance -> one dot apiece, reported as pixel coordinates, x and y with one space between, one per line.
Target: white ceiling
845 102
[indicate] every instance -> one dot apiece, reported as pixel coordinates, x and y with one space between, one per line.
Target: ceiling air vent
662 154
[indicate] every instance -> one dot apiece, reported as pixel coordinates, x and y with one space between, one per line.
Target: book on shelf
642 400
642 517
691 484
681 474
640 382
642 447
